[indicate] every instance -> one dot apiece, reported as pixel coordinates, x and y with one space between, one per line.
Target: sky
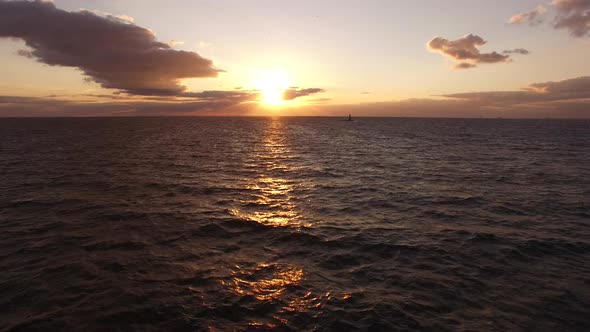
423 58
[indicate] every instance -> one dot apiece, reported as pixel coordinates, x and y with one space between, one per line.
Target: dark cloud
534 17
521 51
574 16
465 51
111 51
293 93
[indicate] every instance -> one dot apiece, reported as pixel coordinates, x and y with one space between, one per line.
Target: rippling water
294 224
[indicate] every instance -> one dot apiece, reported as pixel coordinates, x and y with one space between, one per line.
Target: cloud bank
566 90
465 51
555 99
560 99
109 50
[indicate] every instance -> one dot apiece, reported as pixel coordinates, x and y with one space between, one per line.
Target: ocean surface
312 224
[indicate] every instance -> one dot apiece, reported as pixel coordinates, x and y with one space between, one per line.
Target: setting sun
272 86
294 165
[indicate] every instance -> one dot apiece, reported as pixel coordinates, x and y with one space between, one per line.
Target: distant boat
349 118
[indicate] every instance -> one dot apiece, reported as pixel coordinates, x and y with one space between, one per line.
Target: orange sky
372 58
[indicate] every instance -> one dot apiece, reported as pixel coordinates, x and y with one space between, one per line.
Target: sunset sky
460 58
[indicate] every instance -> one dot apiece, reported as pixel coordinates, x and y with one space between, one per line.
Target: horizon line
289 116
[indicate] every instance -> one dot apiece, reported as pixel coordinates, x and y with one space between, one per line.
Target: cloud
520 51
560 99
239 95
174 43
233 95
293 93
465 65
11 106
214 102
122 18
465 51
574 16
554 99
571 15
574 88
534 17
565 90
319 100
109 50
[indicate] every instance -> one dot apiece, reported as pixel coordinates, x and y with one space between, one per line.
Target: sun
272 86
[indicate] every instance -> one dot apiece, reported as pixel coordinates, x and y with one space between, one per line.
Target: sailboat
349 118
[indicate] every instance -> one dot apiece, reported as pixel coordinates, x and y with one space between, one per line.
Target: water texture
314 224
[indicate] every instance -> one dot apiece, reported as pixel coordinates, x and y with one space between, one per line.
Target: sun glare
272 85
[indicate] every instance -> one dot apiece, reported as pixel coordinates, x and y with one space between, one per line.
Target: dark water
294 224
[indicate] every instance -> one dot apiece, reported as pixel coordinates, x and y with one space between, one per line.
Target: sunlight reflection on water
267 282
274 204
275 286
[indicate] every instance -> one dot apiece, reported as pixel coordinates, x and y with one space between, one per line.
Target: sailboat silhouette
349 118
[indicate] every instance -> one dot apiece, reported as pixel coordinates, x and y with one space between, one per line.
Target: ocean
287 223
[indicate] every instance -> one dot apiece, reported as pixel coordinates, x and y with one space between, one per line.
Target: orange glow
272 85
274 194
274 283
270 286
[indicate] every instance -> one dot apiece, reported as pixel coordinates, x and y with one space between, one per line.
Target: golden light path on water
273 282
274 193
271 287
